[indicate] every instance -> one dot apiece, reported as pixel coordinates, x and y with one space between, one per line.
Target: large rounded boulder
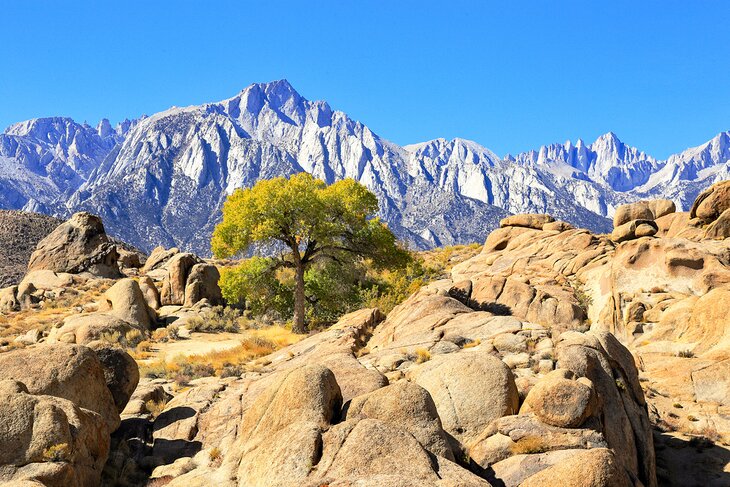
75 246
126 301
70 372
49 439
408 406
712 202
469 390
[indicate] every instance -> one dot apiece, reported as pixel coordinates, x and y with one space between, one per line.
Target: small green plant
584 299
686 353
620 384
692 418
677 405
57 453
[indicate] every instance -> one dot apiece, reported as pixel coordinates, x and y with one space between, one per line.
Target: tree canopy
308 223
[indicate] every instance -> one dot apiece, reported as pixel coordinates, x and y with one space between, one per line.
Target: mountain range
161 179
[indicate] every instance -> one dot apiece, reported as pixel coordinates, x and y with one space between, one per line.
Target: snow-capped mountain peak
162 179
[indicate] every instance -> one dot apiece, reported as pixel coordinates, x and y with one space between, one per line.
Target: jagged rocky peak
455 150
268 129
104 128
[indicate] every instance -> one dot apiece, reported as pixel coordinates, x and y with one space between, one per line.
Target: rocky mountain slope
20 232
161 179
554 357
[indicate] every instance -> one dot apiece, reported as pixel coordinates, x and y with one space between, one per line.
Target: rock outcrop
184 278
441 396
67 371
546 359
643 210
76 246
59 405
126 301
48 439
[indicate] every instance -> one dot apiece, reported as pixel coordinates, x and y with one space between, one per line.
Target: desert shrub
218 319
133 338
155 408
422 355
584 299
112 337
527 445
57 453
161 335
685 353
230 370
156 370
173 332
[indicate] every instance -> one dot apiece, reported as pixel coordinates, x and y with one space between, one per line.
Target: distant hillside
20 232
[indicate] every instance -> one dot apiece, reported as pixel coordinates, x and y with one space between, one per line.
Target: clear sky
510 75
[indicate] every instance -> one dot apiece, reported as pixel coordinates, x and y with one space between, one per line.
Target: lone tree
312 222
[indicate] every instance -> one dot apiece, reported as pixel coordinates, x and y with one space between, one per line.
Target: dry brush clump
53 309
222 363
220 319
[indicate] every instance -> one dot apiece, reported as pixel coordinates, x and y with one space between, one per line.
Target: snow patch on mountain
162 179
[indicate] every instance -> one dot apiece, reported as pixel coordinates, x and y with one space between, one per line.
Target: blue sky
509 75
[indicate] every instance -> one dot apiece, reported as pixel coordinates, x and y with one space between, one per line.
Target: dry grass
443 259
53 311
422 355
216 456
528 444
155 408
256 343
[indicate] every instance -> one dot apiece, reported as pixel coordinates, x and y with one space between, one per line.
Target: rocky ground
20 232
552 357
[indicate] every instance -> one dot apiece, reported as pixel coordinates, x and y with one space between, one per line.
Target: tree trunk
298 322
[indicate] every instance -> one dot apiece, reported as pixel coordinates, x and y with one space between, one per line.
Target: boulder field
553 357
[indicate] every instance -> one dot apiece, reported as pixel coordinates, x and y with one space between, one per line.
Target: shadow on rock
173 415
496 309
681 461
167 451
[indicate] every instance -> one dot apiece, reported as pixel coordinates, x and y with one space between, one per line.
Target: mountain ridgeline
162 179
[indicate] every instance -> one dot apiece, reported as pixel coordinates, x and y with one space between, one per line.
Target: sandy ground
197 344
